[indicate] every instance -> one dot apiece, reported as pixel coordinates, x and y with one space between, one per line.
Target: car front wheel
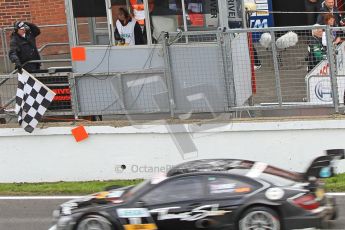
259 218
94 223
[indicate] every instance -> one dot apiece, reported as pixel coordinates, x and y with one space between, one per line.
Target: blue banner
263 18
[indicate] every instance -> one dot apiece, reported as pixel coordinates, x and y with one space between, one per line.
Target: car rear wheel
259 218
94 223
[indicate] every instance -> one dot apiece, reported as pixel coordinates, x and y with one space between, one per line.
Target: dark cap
19 25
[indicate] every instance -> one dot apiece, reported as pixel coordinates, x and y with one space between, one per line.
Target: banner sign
320 90
319 82
60 86
262 18
234 12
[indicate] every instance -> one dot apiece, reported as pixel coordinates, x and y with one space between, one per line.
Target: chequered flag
32 100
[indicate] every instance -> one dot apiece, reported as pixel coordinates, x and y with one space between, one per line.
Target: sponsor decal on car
242 190
196 214
320 193
228 188
133 212
101 195
110 196
140 227
115 194
222 188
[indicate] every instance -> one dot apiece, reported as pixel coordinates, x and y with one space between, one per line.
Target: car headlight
66 211
66 208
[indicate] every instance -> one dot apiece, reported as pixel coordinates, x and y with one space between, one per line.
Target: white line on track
336 193
38 197
75 197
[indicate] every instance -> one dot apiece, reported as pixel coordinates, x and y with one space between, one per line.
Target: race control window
183 15
181 189
90 20
141 22
129 19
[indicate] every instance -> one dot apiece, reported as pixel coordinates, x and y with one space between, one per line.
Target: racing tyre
259 218
94 223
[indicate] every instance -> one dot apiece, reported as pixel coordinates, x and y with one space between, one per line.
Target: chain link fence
53 46
279 61
211 72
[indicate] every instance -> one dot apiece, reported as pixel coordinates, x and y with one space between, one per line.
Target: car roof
226 165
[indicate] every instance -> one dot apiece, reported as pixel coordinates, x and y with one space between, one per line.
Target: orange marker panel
78 54
80 133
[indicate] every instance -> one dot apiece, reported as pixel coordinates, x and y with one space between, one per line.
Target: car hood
112 196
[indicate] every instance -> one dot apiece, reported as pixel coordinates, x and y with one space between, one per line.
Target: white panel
52 154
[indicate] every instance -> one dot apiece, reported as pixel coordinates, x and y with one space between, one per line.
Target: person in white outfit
128 30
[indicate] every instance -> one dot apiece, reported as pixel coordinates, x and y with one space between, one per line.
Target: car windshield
156 179
133 191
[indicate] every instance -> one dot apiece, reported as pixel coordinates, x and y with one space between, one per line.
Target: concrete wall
52 154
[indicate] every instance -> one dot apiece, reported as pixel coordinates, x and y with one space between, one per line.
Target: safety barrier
212 71
47 44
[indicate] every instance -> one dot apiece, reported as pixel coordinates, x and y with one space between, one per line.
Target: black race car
211 194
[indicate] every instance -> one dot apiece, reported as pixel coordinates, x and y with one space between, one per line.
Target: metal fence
53 44
280 62
215 72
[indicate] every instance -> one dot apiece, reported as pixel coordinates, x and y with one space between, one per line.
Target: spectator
23 46
138 8
128 30
312 6
316 51
328 6
329 19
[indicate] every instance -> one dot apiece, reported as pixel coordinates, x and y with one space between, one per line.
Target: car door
229 192
172 203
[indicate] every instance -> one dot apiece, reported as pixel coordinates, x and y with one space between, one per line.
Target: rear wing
323 166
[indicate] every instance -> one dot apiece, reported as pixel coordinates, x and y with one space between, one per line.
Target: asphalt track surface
36 214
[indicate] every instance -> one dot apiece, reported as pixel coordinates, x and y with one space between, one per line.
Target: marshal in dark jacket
324 10
23 49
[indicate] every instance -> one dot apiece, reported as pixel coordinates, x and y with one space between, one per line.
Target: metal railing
5 35
231 71
253 70
8 81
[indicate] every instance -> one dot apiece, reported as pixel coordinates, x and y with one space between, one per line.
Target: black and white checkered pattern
32 100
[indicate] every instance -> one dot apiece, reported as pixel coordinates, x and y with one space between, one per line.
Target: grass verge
60 188
334 184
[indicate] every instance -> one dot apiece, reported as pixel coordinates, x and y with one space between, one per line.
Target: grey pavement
27 214
37 214
340 222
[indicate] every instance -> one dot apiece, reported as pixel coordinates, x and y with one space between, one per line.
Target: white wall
52 154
